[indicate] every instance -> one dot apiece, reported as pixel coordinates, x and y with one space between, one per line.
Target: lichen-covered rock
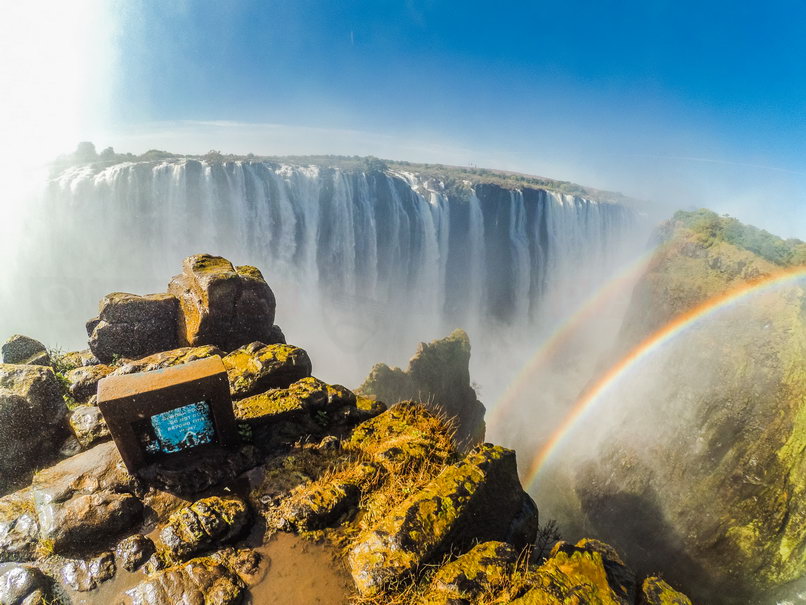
300 397
485 566
405 433
19 527
24 350
257 367
655 591
438 374
82 576
204 523
320 503
86 498
77 359
475 499
84 380
24 585
166 359
202 581
32 421
88 425
222 305
133 551
620 578
129 325
579 577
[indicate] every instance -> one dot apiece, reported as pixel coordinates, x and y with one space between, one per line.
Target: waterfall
364 265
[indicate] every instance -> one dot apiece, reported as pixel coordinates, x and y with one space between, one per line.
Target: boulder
32 421
204 524
166 359
24 585
655 591
203 580
77 359
24 350
85 499
476 499
19 527
83 381
82 576
622 580
133 551
88 425
439 375
129 325
486 565
222 305
257 367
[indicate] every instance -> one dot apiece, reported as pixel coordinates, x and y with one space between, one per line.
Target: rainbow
593 395
552 343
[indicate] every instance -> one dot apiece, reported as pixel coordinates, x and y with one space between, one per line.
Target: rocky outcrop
256 367
83 381
19 527
701 471
439 375
32 421
655 591
222 305
24 350
166 359
129 325
85 575
133 551
83 501
482 568
202 580
475 499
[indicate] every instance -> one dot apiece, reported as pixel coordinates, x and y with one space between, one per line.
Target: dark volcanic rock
439 376
85 500
83 576
133 551
32 421
24 350
203 524
84 380
129 325
222 305
24 585
473 500
199 581
166 359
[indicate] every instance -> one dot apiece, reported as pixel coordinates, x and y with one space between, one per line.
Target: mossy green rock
476 499
202 581
704 476
485 566
321 503
257 367
305 395
656 591
203 524
405 433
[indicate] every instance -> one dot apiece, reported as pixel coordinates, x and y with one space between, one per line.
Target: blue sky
685 103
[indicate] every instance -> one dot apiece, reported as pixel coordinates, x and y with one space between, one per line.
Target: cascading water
364 265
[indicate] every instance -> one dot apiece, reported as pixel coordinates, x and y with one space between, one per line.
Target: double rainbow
593 395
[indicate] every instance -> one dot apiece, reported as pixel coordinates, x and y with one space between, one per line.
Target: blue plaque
178 429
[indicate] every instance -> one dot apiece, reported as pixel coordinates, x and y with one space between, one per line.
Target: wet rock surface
24 585
205 523
133 551
84 500
222 305
24 350
88 425
19 527
85 575
202 580
129 325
